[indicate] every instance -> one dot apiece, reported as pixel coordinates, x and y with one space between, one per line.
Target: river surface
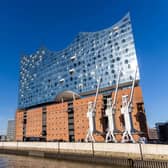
12 161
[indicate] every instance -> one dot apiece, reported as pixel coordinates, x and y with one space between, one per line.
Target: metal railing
147 164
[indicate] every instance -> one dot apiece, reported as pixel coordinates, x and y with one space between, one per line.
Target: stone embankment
96 152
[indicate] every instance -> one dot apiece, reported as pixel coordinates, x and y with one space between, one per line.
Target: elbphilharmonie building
45 74
51 78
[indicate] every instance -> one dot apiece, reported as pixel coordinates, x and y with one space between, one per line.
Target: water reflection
11 161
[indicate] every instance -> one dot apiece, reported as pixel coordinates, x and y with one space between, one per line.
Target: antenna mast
132 89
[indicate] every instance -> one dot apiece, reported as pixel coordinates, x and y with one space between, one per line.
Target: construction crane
110 112
91 116
126 110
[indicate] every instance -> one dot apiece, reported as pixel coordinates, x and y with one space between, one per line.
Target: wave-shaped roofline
109 28
85 33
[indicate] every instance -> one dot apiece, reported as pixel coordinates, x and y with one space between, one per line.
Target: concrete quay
87 150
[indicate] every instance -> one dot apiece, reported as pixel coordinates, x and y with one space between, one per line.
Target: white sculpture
91 116
126 111
110 113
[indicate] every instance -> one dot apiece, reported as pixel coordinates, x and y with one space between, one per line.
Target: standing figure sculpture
110 113
126 110
91 117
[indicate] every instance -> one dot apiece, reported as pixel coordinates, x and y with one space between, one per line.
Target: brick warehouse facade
57 122
19 125
57 90
60 121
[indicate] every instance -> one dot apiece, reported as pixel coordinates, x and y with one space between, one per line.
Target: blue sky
27 25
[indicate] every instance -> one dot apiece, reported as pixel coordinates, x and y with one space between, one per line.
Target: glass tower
92 55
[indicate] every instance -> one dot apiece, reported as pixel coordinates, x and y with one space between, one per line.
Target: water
12 161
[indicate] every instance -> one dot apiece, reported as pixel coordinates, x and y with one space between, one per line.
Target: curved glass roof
45 74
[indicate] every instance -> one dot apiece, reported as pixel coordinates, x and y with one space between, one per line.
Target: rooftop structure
45 74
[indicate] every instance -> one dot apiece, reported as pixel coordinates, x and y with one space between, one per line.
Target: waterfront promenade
121 150
97 150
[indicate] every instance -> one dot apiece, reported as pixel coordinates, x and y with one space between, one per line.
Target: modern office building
56 87
11 130
153 135
3 138
162 130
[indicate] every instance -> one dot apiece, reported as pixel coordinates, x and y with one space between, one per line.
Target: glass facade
91 55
